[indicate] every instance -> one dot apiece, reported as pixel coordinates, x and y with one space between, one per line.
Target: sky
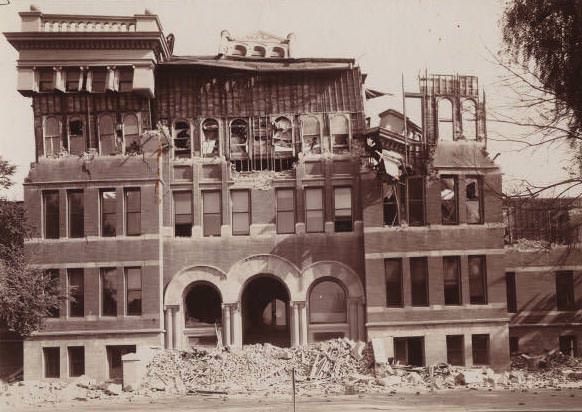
390 39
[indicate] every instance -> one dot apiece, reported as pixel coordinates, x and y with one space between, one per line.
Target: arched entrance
265 311
202 314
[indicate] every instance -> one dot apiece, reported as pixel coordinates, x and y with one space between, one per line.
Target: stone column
176 328
353 318
226 325
304 322
236 325
361 321
169 328
295 336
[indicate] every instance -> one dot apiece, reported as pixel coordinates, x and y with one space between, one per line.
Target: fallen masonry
337 366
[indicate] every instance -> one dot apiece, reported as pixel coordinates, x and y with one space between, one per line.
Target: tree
27 294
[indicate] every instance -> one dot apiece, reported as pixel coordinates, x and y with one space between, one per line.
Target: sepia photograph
276 205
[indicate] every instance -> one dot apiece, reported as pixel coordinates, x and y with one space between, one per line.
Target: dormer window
311 135
46 80
340 134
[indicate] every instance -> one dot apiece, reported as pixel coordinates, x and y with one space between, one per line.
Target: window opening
212 213
131 134
52 362
108 292
452 280
480 349
449 207
241 213
285 211
314 211
469 119
183 214
445 121
409 351
340 134
393 276
419 281
311 135
182 140
51 214
203 305
565 290
477 280
456 350
133 212
108 212
76 360
77 143
511 292
210 136
343 209
108 144
76 291
327 303
133 287
76 214
52 136
473 200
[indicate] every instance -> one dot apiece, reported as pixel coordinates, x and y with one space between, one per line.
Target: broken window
50 203
342 209
477 280
108 292
311 131
511 292
445 120
76 221
76 356
449 207
72 79
473 199
469 119
107 139
133 292
52 362
131 134
419 281
76 292
391 204
285 210
340 134
283 137
568 345
327 303
314 212
77 144
480 345
456 350
241 212
393 276
183 214
211 213
565 290
114 354
98 80
125 79
452 280
239 135
409 351
108 212
132 212
52 136
182 140
415 206
203 305
210 135
46 79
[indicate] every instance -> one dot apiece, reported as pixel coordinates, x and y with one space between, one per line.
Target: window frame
99 70
128 212
205 213
423 261
480 203
72 362
450 118
123 82
175 214
332 135
310 295
114 137
244 147
511 291
399 283
459 280
337 224
82 136
215 153
283 154
103 273
236 213
71 312
135 137
128 290
455 201
69 71
570 297
41 82
413 201
45 217
102 213
319 119
52 138
321 189
484 299
189 139
292 211
70 216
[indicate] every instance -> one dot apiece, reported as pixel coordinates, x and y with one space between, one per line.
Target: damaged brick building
241 198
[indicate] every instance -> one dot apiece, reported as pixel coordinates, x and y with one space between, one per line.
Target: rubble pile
552 370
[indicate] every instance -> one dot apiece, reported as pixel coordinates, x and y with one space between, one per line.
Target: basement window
76 292
342 206
77 144
393 276
452 280
50 203
210 135
569 345
52 136
131 134
241 212
314 212
480 349
76 361
133 291
108 212
340 134
183 214
565 290
133 211
419 281
477 280
456 350
107 138
311 130
76 215
449 199
409 351
473 200
52 362
211 213
285 211
108 292
182 140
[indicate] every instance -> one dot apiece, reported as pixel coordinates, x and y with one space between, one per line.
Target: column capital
298 303
172 307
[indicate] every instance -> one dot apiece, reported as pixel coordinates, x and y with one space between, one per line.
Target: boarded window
473 200
131 134
285 210
393 273
51 221
125 79
449 207
456 350
340 134
452 280
311 135
477 280
108 212
98 80
52 136
327 303
52 362
445 121
107 139
76 214
565 290
511 292
314 216
419 281
210 134
182 140
241 212
46 80
480 349
212 213
76 292
239 137
409 351
183 214
469 119
133 212
133 293
415 206
76 130
342 207
76 356
108 292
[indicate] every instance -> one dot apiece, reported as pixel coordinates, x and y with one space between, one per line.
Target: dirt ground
457 400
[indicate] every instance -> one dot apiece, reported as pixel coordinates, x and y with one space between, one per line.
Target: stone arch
338 271
174 294
276 266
